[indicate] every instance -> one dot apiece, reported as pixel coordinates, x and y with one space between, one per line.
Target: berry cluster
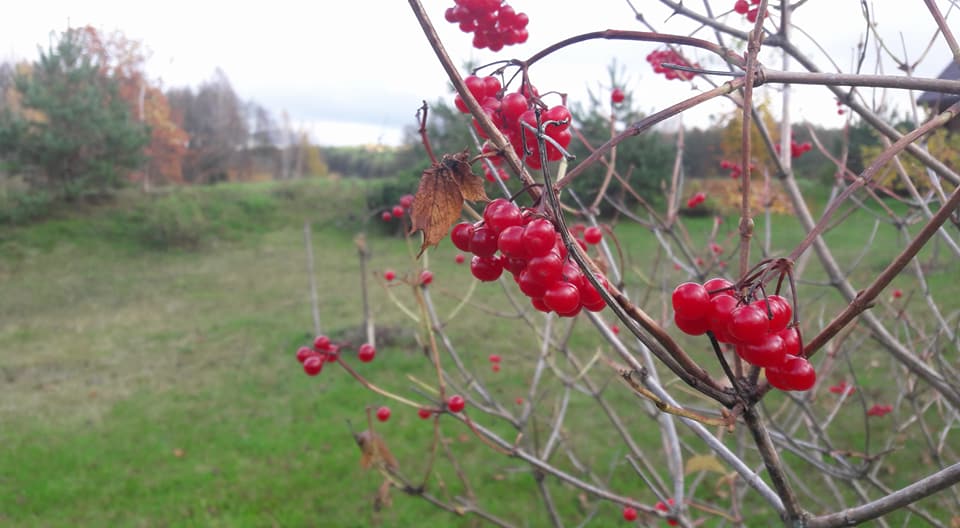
843 388
508 111
529 247
879 410
696 200
656 59
743 8
759 330
664 508
494 362
406 201
494 23
840 110
324 351
796 149
734 168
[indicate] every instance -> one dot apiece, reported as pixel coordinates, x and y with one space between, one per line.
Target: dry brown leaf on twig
440 195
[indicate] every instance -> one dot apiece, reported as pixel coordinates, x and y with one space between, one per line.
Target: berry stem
366 383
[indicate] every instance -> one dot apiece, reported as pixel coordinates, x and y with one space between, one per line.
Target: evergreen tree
70 130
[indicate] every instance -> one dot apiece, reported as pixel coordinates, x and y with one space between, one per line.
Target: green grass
148 376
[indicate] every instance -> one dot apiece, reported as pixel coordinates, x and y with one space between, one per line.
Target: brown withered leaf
374 452
440 195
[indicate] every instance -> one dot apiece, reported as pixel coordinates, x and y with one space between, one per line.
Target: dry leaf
374 452
383 498
703 463
440 195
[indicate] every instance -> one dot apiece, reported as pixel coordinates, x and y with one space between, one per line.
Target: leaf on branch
703 463
440 195
374 452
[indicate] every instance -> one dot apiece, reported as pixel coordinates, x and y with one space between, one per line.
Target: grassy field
148 377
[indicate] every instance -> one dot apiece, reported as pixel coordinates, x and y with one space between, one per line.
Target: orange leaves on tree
440 195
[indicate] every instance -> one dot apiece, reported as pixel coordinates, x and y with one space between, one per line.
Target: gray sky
355 71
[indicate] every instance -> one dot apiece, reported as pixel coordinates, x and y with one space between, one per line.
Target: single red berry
719 316
692 327
795 374
539 237
456 403
718 286
461 235
615 329
366 352
389 275
383 414
518 401
629 514
386 216
303 353
494 358
484 241
617 96
779 311
501 214
562 297
423 413
426 277
690 300
321 343
406 201
748 324
459 258
897 293
495 367
486 269
397 211
592 235
313 365
769 352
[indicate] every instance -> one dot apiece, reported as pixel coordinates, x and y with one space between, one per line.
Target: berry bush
762 361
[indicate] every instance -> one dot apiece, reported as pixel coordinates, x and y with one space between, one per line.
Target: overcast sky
355 71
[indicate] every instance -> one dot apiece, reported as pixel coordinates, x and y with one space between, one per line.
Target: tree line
85 118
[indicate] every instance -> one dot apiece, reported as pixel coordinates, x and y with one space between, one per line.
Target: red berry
386 216
501 214
486 269
592 235
510 242
389 275
495 367
796 374
397 211
617 96
561 115
423 413
690 300
791 341
494 358
741 7
629 514
461 235
456 403
719 316
897 293
512 106
383 414
748 324
718 286
692 327
303 353
366 352
562 297
313 365
769 352
483 243
426 277
539 237
406 201
615 329
779 309
459 258
321 343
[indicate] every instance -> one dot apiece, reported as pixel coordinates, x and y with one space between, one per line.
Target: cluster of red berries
528 246
796 149
879 410
743 8
735 169
656 59
508 111
494 362
843 388
664 508
840 110
324 351
696 200
406 201
494 23
759 330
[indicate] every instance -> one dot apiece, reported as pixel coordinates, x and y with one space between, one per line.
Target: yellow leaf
704 463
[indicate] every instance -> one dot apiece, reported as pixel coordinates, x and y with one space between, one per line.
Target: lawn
149 378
